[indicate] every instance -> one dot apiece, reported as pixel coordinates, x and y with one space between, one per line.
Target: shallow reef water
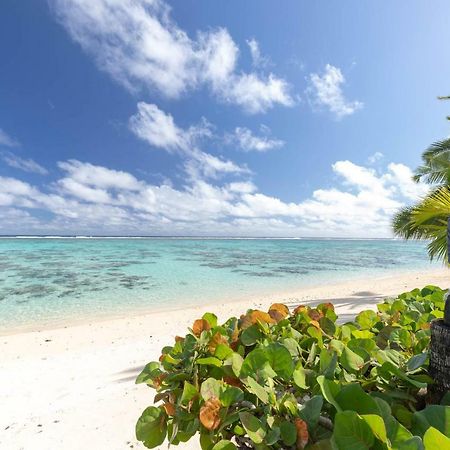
46 280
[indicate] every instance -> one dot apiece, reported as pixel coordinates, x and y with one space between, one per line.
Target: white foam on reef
219 238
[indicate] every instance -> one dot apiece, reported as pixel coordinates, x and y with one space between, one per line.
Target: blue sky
216 118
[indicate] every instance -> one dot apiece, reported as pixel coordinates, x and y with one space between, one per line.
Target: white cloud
7 140
27 165
158 129
325 90
141 47
98 176
247 141
258 59
95 199
376 157
401 176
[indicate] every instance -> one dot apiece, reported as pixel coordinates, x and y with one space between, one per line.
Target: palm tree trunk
440 347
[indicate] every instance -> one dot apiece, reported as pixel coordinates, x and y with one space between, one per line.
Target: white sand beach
73 387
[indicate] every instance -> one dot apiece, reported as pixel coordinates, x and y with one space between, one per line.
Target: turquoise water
45 281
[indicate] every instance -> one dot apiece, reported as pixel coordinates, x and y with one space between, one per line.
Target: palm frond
436 164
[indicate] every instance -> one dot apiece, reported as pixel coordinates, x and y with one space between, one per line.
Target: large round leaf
151 428
351 432
253 427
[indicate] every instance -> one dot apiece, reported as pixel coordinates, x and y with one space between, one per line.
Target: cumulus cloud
93 199
25 164
258 59
325 91
158 129
141 47
7 140
247 141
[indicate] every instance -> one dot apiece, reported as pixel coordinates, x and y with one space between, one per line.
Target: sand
73 387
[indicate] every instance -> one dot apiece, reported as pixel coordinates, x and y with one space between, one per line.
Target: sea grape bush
301 380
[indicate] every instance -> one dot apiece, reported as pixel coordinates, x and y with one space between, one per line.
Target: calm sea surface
45 281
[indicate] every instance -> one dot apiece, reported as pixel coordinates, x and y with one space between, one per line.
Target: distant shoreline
318 238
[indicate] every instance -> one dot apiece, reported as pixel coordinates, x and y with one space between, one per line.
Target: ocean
49 281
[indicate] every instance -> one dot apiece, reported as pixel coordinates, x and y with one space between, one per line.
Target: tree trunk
440 359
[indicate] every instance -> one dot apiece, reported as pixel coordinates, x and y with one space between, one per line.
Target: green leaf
209 361
351 432
353 397
235 361
256 364
251 335
367 319
151 427
417 361
299 377
230 395
292 345
253 427
388 367
224 445
415 443
377 426
151 370
436 416
362 334
329 391
288 433
211 319
328 362
310 411
350 360
255 388
401 337
189 392
280 360
223 351
206 441
210 388
435 440
273 436
324 444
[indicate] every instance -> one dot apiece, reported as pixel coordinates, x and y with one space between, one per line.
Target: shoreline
74 387
256 297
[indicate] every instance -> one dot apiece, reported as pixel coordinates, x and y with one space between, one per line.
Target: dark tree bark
440 359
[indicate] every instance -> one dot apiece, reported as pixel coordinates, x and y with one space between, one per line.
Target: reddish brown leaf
235 337
299 309
255 316
161 396
281 308
179 339
199 326
325 306
314 314
169 408
157 382
233 381
209 414
215 341
302 433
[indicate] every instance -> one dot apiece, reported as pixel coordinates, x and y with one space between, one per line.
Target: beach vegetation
301 378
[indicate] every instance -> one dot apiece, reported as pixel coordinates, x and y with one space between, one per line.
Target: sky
200 118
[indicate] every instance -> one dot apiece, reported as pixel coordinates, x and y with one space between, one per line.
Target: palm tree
430 218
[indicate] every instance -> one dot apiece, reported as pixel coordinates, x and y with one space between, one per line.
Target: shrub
300 379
